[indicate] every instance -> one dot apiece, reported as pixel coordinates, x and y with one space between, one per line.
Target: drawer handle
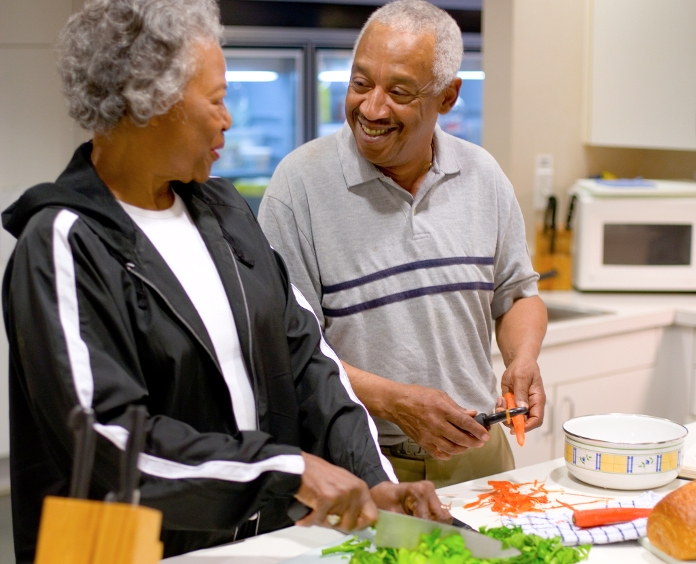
549 417
571 404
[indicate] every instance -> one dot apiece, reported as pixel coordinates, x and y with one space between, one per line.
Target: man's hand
519 333
430 417
338 499
523 379
411 498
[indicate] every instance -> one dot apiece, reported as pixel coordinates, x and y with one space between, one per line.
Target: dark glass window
647 244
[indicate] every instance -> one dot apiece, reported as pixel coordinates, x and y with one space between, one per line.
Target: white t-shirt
177 239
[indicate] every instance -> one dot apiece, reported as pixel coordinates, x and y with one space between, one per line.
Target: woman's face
192 132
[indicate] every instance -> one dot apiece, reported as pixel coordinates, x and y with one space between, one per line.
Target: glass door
264 97
464 119
333 73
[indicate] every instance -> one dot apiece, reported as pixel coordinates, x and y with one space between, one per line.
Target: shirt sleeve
514 276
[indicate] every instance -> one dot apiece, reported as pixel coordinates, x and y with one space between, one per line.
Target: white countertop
626 312
302 545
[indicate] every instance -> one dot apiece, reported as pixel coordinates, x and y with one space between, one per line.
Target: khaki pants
494 457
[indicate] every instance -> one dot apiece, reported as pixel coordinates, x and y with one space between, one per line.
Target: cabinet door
625 392
642 74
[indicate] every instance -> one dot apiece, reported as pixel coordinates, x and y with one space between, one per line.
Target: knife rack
81 531
552 258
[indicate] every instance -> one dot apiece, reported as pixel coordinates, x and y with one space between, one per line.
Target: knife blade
396 530
488 420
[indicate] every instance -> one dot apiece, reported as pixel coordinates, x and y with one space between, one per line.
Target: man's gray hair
131 57
418 17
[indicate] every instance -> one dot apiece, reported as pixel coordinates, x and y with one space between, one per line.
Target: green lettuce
451 549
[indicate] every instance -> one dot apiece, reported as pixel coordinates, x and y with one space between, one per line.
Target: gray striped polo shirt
404 287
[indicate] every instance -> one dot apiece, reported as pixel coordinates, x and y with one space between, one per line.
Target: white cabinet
642 74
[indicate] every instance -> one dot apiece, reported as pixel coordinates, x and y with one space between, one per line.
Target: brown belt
407 449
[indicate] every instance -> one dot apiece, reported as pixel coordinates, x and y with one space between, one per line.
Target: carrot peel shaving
512 500
517 420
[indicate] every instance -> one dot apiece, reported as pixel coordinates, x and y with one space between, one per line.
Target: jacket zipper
251 338
131 268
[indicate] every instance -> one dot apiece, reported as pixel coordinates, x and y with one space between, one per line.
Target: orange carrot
517 420
608 516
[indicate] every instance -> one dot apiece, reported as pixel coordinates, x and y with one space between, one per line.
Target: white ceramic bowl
623 451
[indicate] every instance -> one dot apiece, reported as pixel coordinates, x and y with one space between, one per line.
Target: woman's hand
337 498
411 498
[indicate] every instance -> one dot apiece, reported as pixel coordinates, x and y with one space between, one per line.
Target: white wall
535 56
36 136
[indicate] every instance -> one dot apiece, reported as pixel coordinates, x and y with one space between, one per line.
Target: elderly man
408 243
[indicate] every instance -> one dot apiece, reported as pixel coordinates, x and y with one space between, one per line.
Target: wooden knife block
559 260
80 531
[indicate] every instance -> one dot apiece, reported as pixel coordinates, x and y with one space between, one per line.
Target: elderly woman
138 280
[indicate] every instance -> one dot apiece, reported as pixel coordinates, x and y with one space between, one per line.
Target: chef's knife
81 421
488 420
396 530
297 511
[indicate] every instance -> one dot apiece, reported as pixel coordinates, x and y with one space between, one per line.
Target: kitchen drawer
624 392
595 357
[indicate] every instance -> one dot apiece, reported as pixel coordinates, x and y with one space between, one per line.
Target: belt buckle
409 449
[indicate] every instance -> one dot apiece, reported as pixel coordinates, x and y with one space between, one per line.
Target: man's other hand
523 378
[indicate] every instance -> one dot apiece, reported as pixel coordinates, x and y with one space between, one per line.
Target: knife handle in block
80 531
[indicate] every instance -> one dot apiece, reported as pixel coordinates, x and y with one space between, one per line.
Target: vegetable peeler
488 420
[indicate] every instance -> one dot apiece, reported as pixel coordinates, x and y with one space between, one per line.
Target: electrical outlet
543 180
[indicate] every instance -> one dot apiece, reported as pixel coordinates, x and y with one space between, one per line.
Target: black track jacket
95 316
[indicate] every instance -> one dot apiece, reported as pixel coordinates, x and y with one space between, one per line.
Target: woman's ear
450 95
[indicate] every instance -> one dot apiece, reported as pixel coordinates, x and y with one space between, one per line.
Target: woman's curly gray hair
418 17
131 57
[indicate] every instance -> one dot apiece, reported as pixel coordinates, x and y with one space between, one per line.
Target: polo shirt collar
446 158
358 170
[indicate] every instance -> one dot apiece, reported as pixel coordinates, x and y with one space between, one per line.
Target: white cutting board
314 556
661 555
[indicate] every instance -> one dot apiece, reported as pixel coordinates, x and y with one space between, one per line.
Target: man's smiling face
391 105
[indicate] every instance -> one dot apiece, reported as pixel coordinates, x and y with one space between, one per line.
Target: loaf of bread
672 523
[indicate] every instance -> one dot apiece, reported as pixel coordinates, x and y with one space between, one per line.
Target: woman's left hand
411 498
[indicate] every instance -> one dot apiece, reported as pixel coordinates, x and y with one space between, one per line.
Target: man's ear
450 95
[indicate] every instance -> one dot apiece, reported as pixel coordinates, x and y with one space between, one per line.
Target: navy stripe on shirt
409 266
401 296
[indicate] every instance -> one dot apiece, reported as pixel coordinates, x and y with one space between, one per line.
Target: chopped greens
451 550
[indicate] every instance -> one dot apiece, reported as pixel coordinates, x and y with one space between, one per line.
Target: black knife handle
129 476
461 524
81 421
298 510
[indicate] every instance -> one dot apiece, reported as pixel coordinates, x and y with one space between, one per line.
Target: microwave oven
634 235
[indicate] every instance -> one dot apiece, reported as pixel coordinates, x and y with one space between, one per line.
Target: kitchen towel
560 524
